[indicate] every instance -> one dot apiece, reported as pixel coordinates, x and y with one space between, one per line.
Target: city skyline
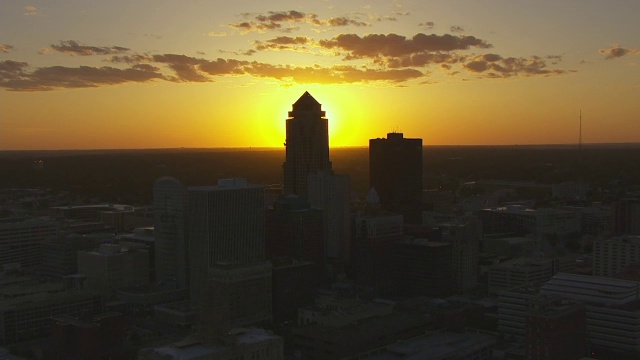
92 75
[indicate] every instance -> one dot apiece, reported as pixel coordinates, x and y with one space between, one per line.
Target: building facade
226 225
395 172
169 208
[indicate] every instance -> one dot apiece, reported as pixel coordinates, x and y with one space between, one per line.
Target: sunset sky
95 74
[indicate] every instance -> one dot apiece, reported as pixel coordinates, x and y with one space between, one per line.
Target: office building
612 256
29 317
169 208
226 225
464 238
21 240
294 230
520 272
556 329
307 144
375 232
60 255
422 267
542 223
626 217
330 193
613 312
395 172
235 295
113 267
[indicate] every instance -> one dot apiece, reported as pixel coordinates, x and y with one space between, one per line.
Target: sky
121 74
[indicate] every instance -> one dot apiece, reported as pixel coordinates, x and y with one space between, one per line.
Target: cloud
73 48
496 66
5 48
271 21
345 21
456 29
274 20
14 76
30 10
392 45
427 25
185 67
421 60
284 43
616 51
338 74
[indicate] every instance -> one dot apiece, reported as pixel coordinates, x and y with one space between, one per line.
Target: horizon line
258 148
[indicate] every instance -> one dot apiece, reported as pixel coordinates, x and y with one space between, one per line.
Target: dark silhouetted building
294 284
98 337
395 172
556 330
375 232
626 217
423 267
307 144
293 230
170 208
226 224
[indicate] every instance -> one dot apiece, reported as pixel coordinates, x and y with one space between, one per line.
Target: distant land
71 152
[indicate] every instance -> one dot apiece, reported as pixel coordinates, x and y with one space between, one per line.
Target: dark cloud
496 66
5 48
345 21
271 21
456 29
13 76
392 45
420 60
427 25
130 59
224 67
283 43
72 47
184 66
281 16
616 51
274 20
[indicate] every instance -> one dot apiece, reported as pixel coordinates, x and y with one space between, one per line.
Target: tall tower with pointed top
307 144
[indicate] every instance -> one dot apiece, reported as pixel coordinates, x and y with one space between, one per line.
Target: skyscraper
395 172
169 209
226 225
307 144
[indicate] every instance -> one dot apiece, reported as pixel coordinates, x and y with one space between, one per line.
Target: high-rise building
169 208
307 144
294 230
330 193
395 172
226 225
375 232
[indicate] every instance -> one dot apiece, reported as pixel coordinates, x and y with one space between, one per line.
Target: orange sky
163 74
